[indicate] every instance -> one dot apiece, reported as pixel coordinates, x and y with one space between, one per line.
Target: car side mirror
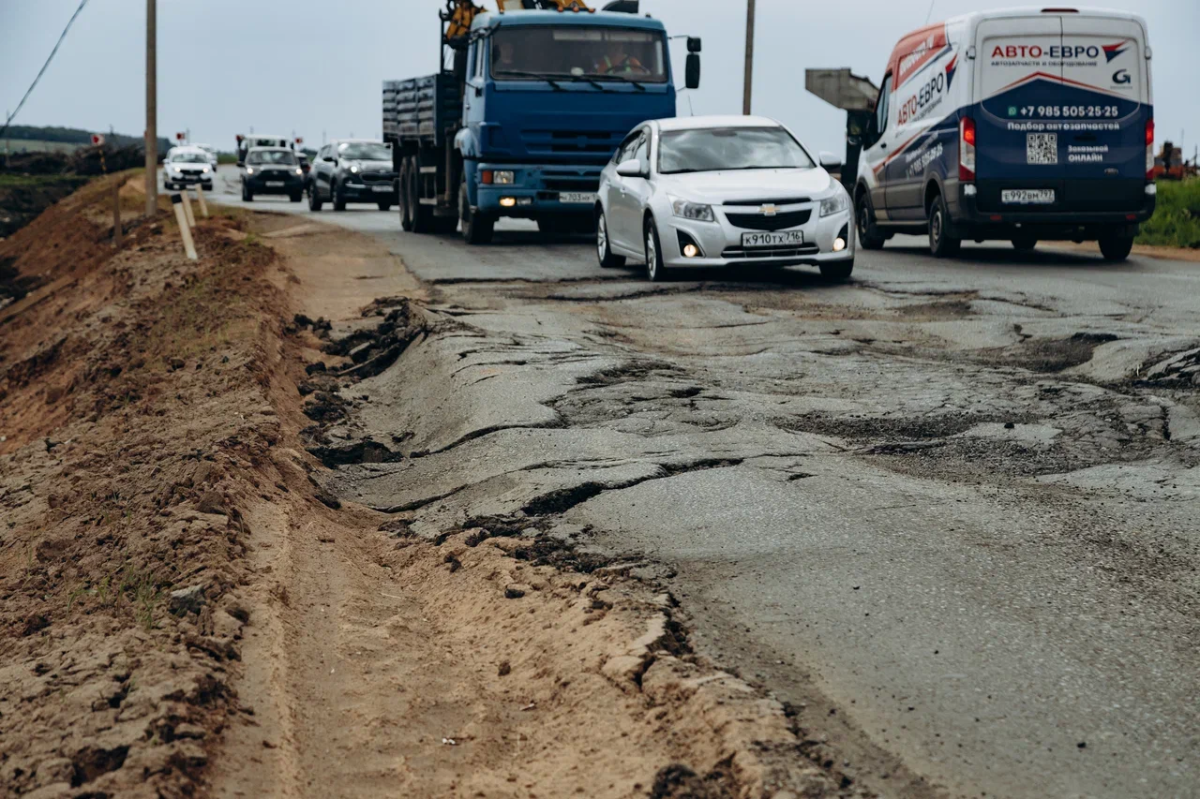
692 71
333 161
830 161
630 169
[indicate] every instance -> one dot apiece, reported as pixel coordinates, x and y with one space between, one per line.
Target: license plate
383 189
274 184
783 238
1027 196
577 197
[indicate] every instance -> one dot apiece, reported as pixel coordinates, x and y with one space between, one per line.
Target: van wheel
1024 243
869 237
477 228
1116 248
941 243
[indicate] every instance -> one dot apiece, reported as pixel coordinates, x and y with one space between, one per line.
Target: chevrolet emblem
769 210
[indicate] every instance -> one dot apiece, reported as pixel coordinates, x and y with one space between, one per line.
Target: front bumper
720 242
539 190
357 191
275 184
187 179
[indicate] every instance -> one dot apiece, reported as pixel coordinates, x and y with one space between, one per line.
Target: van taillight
966 149
1150 149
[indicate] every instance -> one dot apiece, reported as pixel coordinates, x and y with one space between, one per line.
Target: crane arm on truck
459 14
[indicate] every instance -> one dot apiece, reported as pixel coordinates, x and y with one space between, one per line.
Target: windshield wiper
617 77
539 75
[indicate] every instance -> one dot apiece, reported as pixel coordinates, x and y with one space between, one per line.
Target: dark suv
356 171
272 170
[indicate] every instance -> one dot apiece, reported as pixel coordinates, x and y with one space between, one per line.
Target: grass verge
1176 222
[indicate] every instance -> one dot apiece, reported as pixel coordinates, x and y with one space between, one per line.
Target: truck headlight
691 210
835 204
504 177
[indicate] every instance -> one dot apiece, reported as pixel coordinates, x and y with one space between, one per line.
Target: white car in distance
187 166
722 192
212 154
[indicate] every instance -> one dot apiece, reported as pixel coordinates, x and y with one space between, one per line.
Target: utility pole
746 91
151 107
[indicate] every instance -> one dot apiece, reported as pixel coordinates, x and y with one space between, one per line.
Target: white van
1019 125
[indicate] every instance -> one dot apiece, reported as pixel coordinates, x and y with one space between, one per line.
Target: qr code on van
1041 148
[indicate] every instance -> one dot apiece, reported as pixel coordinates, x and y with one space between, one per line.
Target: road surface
948 511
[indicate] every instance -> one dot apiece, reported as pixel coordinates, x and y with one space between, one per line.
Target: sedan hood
750 184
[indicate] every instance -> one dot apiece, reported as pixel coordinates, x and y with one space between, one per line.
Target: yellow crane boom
459 14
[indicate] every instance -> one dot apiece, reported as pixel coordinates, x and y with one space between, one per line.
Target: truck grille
554 142
783 221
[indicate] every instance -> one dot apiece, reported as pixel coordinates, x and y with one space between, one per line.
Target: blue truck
530 105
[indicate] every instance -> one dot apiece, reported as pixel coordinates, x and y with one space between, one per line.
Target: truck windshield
614 54
272 157
364 151
717 149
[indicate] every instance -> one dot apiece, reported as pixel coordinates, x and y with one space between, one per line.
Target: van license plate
1027 196
781 239
577 197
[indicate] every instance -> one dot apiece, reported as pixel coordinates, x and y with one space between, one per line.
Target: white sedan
721 192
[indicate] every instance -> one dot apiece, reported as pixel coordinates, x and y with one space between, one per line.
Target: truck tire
422 215
1116 248
406 214
941 243
869 238
476 228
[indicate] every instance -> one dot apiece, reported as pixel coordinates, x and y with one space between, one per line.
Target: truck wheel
941 243
406 214
869 238
476 228
339 198
1116 248
1024 243
607 259
422 215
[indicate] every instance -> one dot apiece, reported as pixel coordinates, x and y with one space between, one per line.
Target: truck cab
546 98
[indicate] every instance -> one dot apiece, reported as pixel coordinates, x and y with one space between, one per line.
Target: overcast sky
315 66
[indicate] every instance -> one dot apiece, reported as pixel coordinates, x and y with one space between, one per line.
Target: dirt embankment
183 611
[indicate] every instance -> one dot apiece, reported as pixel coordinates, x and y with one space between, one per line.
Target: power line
32 86
929 16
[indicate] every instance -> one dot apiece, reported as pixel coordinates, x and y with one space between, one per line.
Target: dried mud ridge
122 549
779 759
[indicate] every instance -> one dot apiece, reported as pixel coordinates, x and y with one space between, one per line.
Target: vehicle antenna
929 16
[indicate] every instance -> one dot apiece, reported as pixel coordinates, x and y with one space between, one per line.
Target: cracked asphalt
948 511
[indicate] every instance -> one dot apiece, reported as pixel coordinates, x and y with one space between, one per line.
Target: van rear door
1063 101
1105 65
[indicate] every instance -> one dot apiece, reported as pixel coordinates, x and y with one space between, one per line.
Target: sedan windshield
189 158
716 149
365 151
272 157
601 54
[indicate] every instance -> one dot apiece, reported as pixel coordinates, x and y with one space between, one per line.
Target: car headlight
249 170
299 171
691 210
504 177
836 204
354 169
204 170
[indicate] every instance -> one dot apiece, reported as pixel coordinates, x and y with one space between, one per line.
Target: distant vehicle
187 166
212 154
353 171
305 167
522 126
272 170
246 143
722 192
1014 125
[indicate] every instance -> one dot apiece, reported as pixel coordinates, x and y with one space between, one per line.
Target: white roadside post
200 198
187 207
185 230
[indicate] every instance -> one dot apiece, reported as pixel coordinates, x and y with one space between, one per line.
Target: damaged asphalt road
948 511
